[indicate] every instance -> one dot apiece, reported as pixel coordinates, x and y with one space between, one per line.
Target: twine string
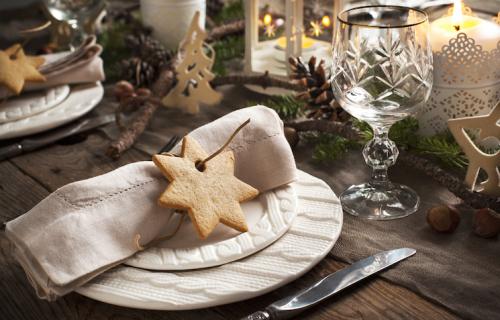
154 242
200 165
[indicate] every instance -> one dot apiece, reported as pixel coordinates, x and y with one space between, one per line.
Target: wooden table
27 179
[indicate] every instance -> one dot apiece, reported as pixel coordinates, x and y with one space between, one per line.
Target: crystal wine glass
74 12
382 73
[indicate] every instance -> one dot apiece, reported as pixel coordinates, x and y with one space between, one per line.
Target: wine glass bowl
381 73
74 12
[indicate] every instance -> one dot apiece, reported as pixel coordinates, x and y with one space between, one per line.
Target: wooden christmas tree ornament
193 73
489 127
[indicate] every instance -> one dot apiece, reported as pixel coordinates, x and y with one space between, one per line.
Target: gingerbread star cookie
16 68
211 194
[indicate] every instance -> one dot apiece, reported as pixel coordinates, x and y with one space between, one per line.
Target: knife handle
10 151
259 315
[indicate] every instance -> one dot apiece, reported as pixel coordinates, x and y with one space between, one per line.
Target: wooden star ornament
211 194
489 126
16 68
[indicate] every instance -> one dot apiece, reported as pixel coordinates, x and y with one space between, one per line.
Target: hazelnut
443 218
123 89
291 136
486 223
143 92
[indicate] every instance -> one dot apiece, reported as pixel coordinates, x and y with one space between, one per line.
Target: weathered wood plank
19 300
374 298
58 165
18 192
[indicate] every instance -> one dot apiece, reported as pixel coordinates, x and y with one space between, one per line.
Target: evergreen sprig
444 148
287 107
233 10
114 51
226 49
329 146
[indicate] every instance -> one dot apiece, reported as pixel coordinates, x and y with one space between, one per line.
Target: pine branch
343 129
226 49
328 147
287 107
233 10
446 150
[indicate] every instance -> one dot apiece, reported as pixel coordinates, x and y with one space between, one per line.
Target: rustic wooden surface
27 179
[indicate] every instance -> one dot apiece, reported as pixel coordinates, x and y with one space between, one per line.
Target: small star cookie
14 71
210 195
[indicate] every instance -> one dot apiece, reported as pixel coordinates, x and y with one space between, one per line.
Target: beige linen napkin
87 227
80 66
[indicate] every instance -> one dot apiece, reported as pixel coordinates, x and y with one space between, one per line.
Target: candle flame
457 18
267 19
325 21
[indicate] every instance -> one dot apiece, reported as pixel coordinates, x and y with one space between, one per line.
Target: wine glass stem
380 153
77 35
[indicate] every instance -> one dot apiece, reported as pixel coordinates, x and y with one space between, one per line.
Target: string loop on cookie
152 243
201 164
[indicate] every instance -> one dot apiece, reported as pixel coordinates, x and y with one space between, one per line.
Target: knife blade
292 305
41 140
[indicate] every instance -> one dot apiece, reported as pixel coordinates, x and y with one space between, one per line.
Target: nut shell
444 219
486 223
123 89
291 136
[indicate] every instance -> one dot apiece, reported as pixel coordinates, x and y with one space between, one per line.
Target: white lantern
466 69
278 29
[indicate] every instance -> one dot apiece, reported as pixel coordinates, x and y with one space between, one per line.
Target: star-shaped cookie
210 195
14 71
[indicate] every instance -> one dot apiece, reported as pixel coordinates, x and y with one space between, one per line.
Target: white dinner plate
31 103
81 99
268 217
312 235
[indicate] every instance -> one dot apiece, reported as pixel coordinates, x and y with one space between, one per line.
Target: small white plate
81 99
314 231
268 217
29 104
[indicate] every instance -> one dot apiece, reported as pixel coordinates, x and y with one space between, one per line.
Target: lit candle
306 42
484 33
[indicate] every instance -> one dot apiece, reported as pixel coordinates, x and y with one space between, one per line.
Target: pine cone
320 103
140 73
214 7
148 49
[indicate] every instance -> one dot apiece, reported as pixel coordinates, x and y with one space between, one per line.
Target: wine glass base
374 202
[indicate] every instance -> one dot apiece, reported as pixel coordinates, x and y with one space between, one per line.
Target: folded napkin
71 67
87 227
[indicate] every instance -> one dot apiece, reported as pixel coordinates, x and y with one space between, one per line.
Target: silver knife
291 306
41 140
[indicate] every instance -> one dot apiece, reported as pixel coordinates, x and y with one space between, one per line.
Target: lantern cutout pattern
278 29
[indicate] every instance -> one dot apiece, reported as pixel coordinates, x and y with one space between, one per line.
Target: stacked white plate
34 112
290 230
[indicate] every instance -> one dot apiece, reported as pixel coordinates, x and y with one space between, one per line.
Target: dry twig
264 80
129 135
225 30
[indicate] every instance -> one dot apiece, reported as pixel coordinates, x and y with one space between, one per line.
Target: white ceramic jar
170 19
